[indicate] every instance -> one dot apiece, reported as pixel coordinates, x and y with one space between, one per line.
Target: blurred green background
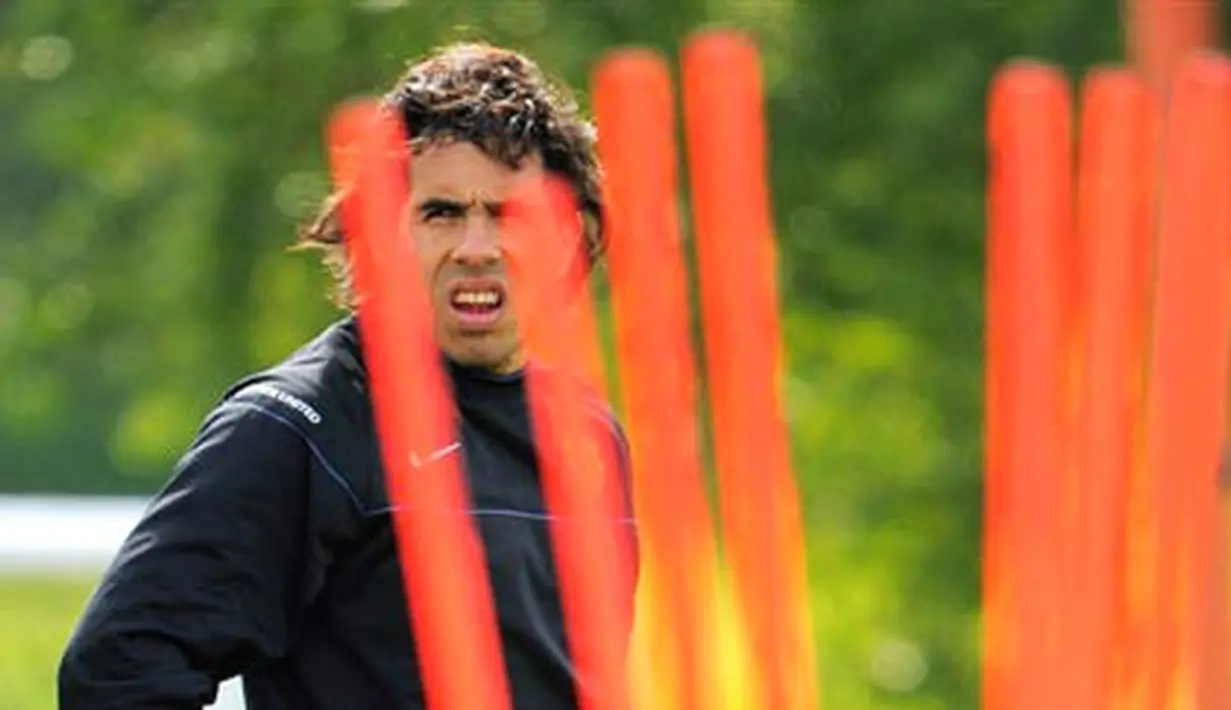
157 156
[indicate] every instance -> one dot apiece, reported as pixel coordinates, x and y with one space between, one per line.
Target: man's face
457 194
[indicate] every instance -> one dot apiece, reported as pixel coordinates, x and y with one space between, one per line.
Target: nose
480 243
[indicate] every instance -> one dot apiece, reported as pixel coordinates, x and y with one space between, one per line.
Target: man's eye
440 213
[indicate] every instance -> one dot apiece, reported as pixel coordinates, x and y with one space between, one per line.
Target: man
269 554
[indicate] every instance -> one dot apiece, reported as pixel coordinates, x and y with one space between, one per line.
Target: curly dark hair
500 101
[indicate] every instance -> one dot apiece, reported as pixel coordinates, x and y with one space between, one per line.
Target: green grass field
36 617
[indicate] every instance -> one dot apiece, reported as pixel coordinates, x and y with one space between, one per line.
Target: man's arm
205 586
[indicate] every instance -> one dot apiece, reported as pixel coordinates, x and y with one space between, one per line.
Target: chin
499 357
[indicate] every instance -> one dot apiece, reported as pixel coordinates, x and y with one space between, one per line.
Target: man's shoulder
322 381
320 369
320 392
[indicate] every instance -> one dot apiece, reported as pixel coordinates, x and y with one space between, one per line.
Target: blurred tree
159 154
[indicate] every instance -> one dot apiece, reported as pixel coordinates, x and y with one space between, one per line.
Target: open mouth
475 304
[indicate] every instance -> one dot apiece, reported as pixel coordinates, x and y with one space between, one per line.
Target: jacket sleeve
206 584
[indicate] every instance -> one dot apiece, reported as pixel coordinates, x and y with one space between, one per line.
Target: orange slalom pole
1030 216
633 103
736 256
1161 34
577 311
1188 376
449 596
590 525
1116 188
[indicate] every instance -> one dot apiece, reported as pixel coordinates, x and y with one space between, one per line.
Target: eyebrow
431 203
450 203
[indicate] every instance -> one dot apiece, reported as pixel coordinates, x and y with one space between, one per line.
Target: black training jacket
269 554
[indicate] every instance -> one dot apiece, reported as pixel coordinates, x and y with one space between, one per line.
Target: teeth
476 298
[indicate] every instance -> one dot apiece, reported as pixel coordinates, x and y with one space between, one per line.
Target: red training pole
1161 34
1117 183
441 554
736 257
1030 220
633 102
582 486
1188 375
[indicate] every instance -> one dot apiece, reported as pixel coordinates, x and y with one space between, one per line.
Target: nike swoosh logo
435 456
